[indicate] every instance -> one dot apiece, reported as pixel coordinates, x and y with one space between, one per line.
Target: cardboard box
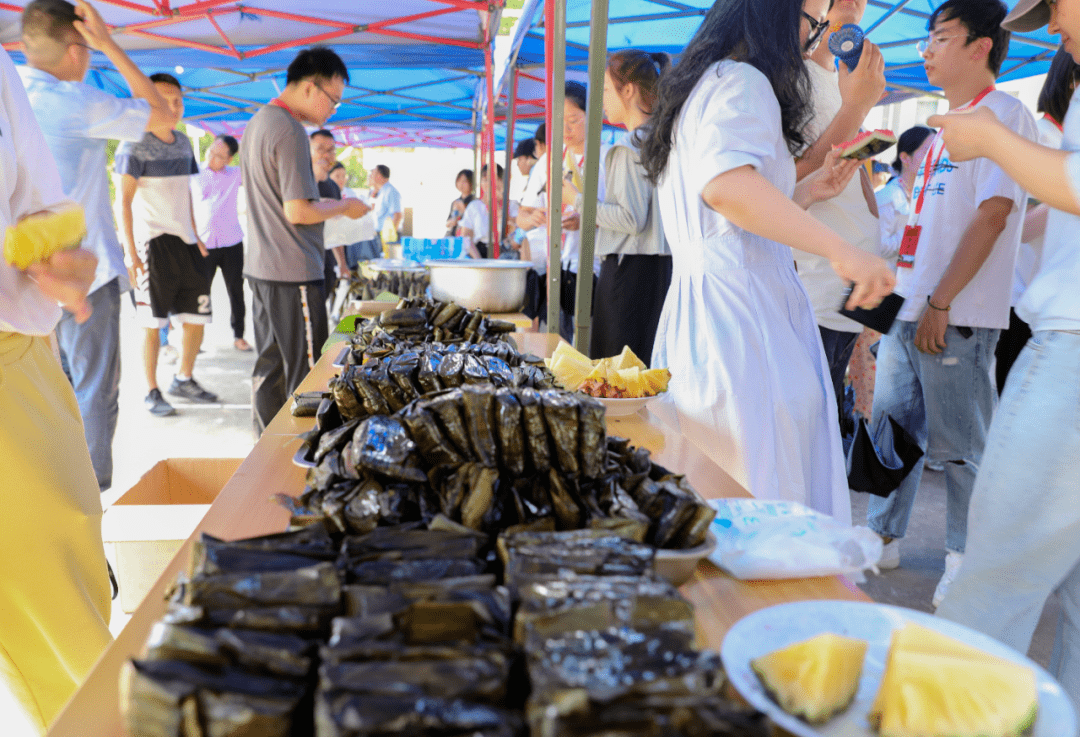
146 526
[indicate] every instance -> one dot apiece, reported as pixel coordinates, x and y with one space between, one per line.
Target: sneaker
952 566
935 466
191 390
157 405
890 556
169 354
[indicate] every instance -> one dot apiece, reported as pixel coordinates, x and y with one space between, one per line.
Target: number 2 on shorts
204 304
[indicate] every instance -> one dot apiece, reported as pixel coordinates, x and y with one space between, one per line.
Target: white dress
750 384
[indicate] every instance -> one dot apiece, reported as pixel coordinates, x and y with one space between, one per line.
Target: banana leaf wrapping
641 680
347 714
181 699
573 603
529 557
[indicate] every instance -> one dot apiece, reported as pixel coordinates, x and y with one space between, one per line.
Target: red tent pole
549 43
494 236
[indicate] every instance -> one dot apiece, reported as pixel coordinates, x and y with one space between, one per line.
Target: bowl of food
677 566
624 407
622 383
491 285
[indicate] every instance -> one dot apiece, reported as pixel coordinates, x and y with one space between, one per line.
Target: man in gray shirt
284 263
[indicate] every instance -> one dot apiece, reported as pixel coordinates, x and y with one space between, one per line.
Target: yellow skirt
54 584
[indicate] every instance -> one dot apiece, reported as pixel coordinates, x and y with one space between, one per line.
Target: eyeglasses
817 31
337 102
931 42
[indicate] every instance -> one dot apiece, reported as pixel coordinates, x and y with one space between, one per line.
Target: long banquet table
244 508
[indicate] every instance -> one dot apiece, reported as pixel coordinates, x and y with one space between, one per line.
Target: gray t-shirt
275 160
162 204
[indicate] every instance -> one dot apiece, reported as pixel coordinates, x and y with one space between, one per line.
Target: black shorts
173 283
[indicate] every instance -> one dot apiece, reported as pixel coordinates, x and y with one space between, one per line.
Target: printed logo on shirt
937 188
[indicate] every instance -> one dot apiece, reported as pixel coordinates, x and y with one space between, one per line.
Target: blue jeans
949 398
362 251
91 356
1025 519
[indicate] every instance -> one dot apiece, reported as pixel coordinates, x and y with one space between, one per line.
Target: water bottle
846 44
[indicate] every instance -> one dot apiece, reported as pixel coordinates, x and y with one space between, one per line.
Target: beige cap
1028 15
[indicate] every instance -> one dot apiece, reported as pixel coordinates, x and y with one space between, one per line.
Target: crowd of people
729 234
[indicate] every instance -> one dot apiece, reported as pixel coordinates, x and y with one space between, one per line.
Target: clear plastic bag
766 540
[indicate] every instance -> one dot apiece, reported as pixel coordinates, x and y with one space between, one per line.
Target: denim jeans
948 397
1025 519
362 251
91 356
838 348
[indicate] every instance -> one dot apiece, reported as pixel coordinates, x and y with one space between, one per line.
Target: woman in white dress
750 383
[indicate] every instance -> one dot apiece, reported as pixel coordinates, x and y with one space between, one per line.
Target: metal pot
491 285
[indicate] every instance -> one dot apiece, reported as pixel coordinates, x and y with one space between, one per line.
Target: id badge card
908 246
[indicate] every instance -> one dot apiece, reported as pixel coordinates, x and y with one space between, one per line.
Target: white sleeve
29 183
106 116
989 178
736 124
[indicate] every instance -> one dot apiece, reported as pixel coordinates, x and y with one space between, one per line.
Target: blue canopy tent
414 64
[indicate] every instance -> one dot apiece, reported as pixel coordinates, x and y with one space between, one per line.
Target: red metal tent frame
161 14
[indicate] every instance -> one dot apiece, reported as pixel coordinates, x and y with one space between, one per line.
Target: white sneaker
952 566
890 556
935 466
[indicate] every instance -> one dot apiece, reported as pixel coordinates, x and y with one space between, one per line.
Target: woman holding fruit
750 383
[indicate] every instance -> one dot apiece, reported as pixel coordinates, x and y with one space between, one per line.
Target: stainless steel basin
491 285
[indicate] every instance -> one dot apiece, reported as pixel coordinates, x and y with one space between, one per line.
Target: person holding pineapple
54 589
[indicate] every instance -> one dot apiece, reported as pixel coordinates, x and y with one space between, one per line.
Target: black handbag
877 465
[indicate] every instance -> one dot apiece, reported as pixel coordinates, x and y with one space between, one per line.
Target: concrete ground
224 430
922 561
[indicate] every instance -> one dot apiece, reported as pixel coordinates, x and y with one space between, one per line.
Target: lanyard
1059 126
930 169
284 107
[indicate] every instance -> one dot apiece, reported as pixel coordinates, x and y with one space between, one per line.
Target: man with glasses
285 257
955 269
841 100
77 120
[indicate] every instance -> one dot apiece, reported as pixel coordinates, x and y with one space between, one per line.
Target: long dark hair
762 33
1057 90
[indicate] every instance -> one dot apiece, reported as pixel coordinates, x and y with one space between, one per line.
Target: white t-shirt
847 214
532 196
955 193
572 243
1027 257
29 183
1052 300
476 219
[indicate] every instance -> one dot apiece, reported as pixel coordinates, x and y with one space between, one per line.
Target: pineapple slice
656 380
631 381
569 366
38 237
627 359
814 679
934 695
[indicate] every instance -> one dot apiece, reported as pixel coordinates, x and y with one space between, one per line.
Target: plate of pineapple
855 669
622 383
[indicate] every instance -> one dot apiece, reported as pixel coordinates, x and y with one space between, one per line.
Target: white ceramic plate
624 407
771 629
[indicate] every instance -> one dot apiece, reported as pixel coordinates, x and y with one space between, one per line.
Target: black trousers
290 329
629 297
1011 342
230 259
